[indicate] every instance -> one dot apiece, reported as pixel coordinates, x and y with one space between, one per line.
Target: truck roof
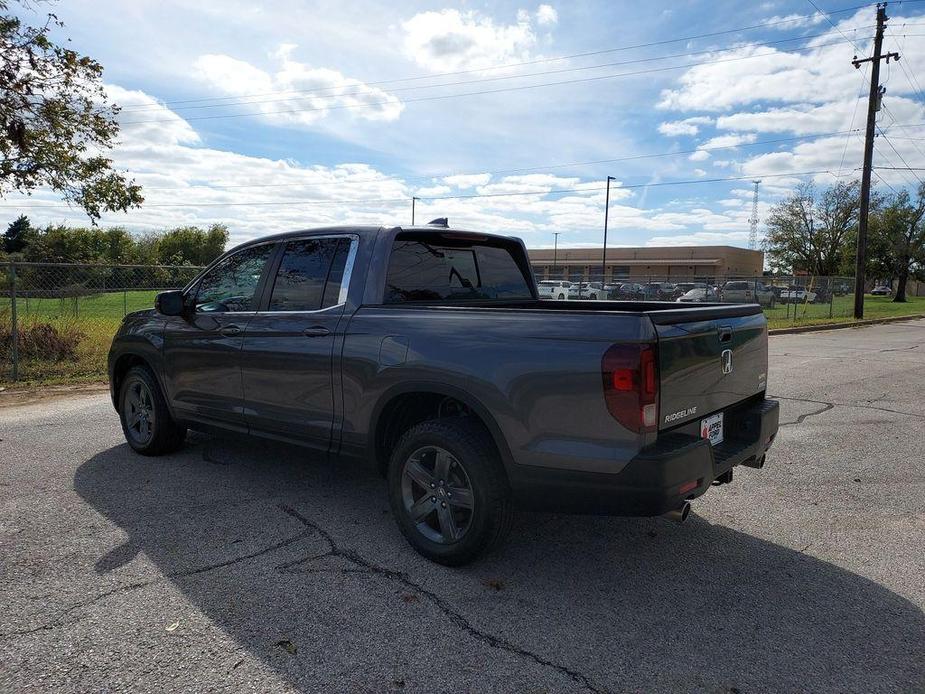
366 230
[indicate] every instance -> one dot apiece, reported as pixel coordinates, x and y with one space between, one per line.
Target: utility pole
753 220
555 251
606 215
413 200
873 105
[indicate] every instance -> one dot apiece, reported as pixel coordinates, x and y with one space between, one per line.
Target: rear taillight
630 374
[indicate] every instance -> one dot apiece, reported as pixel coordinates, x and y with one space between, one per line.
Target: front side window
310 274
231 285
434 269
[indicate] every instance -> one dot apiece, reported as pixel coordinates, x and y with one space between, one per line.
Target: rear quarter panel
536 373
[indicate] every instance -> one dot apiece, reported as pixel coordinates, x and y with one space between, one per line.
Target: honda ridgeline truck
427 351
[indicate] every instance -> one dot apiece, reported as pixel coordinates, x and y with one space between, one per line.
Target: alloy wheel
138 412
437 494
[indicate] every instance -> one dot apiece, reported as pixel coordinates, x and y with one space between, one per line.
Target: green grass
842 311
98 317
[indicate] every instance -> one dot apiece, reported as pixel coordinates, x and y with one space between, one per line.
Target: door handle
230 330
316 331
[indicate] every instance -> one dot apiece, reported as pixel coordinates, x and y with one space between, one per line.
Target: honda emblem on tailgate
726 360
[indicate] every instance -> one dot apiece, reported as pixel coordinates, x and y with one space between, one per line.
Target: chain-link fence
786 300
57 320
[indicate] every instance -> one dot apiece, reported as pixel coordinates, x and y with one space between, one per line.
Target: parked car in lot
628 290
427 353
553 289
659 291
682 288
881 290
798 295
587 290
748 291
699 295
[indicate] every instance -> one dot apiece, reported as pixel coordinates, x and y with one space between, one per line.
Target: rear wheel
448 491
561 297
146 421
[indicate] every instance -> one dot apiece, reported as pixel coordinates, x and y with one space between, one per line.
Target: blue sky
341 111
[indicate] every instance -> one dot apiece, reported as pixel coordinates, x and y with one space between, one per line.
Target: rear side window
736 285
309 275
434 269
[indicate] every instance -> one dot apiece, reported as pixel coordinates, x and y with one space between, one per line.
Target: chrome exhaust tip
681 513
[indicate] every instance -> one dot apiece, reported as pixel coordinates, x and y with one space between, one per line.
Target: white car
699 295
554 289
797 296
588 290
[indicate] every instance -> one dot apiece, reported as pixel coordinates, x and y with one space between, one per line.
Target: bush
41 341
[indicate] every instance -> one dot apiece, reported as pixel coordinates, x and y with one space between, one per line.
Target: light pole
606 215
555 251
413 200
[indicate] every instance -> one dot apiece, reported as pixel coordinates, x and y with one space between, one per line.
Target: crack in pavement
58 620
799 420
843 404
365 566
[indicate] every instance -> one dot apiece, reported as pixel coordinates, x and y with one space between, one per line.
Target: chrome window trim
345 280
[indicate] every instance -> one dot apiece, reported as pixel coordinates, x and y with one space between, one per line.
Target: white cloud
702 238
165 127
699 155
546 15
794 21
464 181
447 40
700 173
729 140
296 93
688 126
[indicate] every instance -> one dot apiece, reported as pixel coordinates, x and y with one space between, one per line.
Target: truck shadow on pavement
300 563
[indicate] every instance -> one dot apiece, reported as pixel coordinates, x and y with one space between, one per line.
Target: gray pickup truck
427 351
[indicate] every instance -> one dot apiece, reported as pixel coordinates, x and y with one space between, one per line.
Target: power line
537 61
545 167
835 26
366 90
452 197
438 97
898 154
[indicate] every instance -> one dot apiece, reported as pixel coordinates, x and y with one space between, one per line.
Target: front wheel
448 491
146 421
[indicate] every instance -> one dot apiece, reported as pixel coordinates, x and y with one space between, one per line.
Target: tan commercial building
707 263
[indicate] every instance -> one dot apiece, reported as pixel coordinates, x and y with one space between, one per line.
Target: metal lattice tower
753 220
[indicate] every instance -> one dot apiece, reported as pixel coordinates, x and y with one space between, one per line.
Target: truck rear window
437 268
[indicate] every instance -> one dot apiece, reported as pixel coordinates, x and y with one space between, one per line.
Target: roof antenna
439 222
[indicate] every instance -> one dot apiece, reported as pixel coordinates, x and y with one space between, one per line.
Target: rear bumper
651 483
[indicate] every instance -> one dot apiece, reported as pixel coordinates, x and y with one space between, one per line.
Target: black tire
561 297
154 431
475 459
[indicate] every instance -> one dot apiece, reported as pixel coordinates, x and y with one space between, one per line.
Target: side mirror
170 303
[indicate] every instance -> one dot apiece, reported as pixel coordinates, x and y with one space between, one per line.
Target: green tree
55 124
192 245
18 235
813 232
898 239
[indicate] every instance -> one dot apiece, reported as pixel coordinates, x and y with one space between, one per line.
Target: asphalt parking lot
243 566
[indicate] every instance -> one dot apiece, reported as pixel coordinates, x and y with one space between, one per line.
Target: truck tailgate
709 358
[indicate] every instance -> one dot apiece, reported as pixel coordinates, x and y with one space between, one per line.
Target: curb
38 393
840 326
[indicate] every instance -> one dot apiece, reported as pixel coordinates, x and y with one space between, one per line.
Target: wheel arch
137 355
408 404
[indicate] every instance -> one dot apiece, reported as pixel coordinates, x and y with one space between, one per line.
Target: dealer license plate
712 428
